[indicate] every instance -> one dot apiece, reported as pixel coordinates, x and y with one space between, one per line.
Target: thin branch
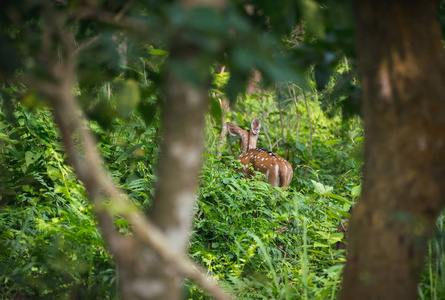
134 25
276 143
265 115
312 132
117 17
280 110
124 9
295 98
85 45
155 238
276 132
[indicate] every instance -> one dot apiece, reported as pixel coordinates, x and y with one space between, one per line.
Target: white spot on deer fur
277 180
267 173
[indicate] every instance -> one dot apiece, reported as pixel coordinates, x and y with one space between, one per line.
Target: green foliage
252 237
432 284
270 243
259 241
50 244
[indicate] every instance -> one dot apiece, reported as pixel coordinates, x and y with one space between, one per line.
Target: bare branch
85 45
134 25
276 143
312 132
124 9
155 238
295 100
265 115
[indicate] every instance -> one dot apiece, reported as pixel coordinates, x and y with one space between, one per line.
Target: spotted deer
277 170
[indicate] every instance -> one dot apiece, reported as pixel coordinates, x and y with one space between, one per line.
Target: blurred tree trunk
152 262
402 74
183 112
184 109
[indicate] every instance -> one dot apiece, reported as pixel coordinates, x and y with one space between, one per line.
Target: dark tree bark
402 74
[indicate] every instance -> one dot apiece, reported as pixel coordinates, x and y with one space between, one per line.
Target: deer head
248 137
277 170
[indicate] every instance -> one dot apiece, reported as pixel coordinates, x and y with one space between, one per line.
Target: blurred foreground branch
136 255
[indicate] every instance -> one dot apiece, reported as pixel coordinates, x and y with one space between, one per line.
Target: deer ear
256 125
233 129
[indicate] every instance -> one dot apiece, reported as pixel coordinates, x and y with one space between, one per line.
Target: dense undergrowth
258 242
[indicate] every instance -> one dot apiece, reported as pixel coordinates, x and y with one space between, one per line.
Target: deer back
277 170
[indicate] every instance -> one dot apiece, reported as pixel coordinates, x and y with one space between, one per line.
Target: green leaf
129 152
335 237
318 244
7 139
300 147
343 199
356 191
215 110
321 189
132 69
333 142
58 189
3 125
158 52
53 173
31 158
335 269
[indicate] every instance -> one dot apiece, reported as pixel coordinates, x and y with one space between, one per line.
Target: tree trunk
402 74
184 109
